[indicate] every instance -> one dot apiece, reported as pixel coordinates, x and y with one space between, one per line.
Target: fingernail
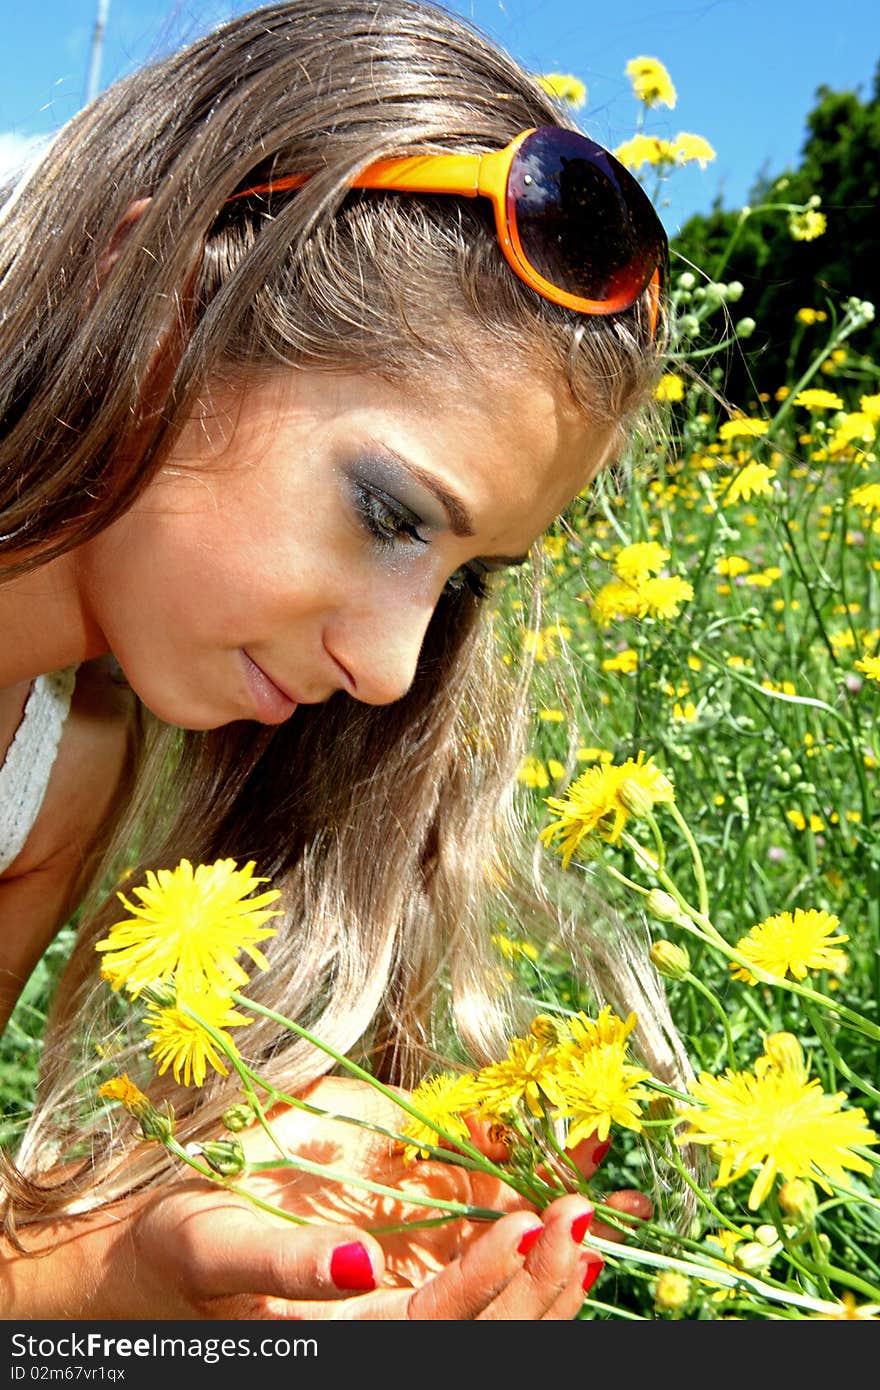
595 1265
601 1151
581 1225
528 1240
350 1268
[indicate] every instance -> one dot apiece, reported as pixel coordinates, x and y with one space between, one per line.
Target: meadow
703 758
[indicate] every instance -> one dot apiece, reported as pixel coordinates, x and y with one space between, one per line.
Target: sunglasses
572 222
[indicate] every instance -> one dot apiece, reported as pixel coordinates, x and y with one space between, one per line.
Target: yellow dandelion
443 1100
662 597
855 428
645 149
870 666
690 149
867 497
817 399
190 924
520 1079
742 427
533 773
752 480
123 1089
617 600
634 563
651 81
810 317
183 1043
776 1120
732 565
626 662
564 87
596 1088
670 388
601 801
606 1028
870 406
791 943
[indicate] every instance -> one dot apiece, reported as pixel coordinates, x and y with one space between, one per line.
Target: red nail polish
528 1240
581 1225
350 1268
601 1151
594 1268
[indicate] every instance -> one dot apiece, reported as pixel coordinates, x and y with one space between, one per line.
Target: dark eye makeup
390 523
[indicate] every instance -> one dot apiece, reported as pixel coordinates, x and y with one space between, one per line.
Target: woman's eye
473 577
386 522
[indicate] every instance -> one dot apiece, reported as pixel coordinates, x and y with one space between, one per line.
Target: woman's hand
191 1251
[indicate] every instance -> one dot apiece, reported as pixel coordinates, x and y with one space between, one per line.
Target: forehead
513 446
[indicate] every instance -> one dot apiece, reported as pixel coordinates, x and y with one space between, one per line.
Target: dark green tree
839 164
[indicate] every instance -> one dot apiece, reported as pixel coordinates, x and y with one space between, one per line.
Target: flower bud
670 960
549 1030
224 1156
238 1117
753 1256
161 993
635 798
745 328
798 1201
735 291
686 280
156 1125
671 1291
663 906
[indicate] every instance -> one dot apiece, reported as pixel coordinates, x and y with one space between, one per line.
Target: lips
272 704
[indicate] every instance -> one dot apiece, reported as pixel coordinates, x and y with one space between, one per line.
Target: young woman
307 330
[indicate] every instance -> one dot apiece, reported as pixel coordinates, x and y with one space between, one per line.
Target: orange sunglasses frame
474 176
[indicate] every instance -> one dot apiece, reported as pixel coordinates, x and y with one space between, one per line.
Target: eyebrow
460 522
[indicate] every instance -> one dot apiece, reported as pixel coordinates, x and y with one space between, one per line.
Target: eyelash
387 525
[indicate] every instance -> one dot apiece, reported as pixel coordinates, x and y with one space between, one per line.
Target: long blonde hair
98 372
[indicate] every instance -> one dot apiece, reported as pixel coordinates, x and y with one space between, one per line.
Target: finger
552 1268
629 1203
571 1300
589 1153
225 1248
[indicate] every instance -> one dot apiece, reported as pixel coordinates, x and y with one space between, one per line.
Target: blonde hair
377 953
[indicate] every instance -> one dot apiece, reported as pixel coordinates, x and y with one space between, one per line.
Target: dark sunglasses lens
584 223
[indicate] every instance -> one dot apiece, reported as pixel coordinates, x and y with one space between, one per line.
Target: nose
379 650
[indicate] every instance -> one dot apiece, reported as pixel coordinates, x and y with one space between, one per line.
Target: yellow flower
776 1120
867 497
752 480
817 399
190 925
672 1291
596 1088
651 81
634 563
732 565
870 406
564 87
502 1087
670 387
617 600
690 148
856 426
626 661
123 1089
602 799
870 666
810 316
663 597
645 149
606 1028
183 1043
533 773
806 225
442 1100
791 943
742 427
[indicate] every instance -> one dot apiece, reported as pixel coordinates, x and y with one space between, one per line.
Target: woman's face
299 537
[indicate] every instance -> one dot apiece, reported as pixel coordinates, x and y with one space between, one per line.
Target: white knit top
24 775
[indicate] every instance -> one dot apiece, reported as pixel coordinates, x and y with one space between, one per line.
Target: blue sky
746 71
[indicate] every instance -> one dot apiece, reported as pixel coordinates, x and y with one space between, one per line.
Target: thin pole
97 49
